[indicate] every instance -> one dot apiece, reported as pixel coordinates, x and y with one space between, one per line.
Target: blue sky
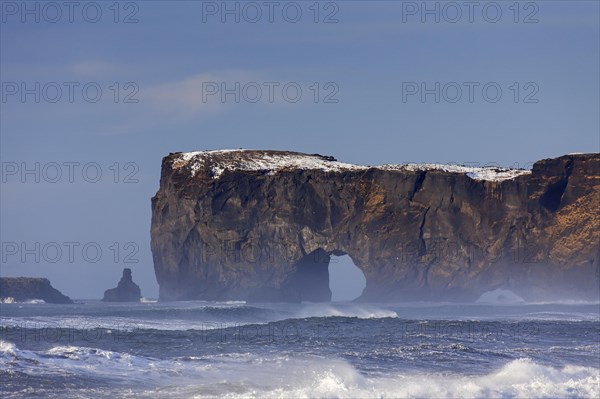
366 61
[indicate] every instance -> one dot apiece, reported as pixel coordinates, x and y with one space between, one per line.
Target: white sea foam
565 302
210 316
309 378
361 311
121 324
11 300
7 347
35 301
246 375
76 360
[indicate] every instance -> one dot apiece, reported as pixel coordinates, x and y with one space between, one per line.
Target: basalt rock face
27 288
126 290
262 225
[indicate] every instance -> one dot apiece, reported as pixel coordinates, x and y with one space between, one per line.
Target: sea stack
126 290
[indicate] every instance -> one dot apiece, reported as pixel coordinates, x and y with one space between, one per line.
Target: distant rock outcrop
262 225
126 290
30 288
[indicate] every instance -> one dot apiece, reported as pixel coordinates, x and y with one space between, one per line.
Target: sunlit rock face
262 225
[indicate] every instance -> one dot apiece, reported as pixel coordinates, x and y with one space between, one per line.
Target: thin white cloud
186 98
93 68
182 101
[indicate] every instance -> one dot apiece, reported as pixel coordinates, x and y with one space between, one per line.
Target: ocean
203 349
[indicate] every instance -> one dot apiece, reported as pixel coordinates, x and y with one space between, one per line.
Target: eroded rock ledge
28 288
261 225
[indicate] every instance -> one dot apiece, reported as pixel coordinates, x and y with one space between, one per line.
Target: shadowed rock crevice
310 282
418 185
417 232
553 196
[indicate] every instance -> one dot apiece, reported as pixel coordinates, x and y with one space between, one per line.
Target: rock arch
503 229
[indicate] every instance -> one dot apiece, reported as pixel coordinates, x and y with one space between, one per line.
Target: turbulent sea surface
341 350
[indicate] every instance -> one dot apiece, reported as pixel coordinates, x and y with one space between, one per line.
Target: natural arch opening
346 280
321 276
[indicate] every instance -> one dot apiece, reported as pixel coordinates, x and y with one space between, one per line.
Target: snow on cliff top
217 161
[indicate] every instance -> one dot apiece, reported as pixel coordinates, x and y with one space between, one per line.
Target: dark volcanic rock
126 290
261 225
26 288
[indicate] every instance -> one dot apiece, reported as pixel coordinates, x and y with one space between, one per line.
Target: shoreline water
210 349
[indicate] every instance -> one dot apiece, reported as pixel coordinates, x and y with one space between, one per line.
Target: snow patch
271 162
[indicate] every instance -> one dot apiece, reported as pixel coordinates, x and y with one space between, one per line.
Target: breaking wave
360 311
271 376
197 316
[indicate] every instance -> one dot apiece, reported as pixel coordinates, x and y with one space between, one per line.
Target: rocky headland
262 225
22 289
